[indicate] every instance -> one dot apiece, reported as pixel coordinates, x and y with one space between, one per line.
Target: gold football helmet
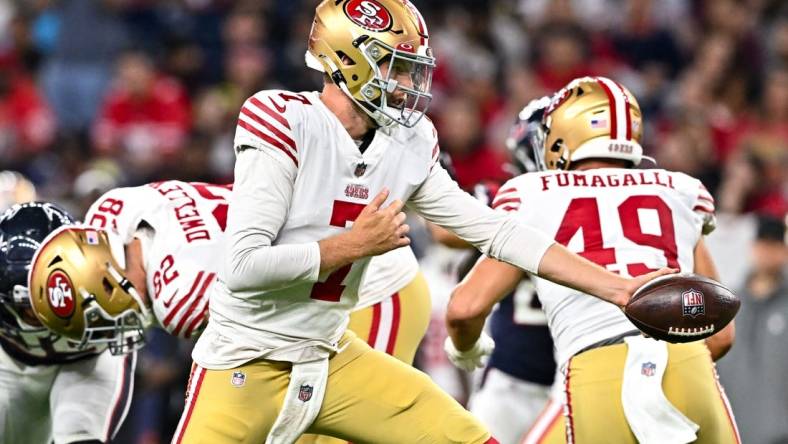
350 41
592 117
77 289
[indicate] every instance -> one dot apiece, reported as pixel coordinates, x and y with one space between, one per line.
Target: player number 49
583 213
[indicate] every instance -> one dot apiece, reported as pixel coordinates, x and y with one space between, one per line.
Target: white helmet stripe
619 108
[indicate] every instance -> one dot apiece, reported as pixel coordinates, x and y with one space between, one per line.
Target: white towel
652 418
302 402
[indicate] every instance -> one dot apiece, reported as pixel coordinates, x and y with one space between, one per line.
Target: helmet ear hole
556 146
345 59
107 286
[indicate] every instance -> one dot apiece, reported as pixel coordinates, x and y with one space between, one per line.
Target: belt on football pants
618 339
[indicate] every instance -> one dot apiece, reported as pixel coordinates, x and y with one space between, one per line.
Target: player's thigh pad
24 401
397 324
375 398
593 383
508 406
90 398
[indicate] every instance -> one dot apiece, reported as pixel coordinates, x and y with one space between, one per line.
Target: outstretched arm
502 237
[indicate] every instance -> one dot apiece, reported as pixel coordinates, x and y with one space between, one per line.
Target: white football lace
697 331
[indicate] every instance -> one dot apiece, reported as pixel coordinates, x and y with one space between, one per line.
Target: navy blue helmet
22 229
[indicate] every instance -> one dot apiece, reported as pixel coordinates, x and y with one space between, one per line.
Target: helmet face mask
78 290
377 53
527 137
387 98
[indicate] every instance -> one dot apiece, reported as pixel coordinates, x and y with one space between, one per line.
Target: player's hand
380 229
472 358
633 284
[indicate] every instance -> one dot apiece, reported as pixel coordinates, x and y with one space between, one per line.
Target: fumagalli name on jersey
600 180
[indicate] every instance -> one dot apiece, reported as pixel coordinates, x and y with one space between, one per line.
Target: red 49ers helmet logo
60 294
369 14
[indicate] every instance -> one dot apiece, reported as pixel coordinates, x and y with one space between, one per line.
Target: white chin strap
313 62
379 118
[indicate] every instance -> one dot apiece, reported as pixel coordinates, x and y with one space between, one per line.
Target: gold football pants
594 414
394 326
370 397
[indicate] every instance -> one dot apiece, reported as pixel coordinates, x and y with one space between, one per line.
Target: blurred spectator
754 370
757 179
89 35
27 124
145 116
562 55
461 137
100 176
14 189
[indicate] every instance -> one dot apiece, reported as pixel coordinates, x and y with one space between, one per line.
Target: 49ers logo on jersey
369 14
60 294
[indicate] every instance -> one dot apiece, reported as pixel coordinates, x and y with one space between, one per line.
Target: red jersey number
107 211
331 289
583 213
219 193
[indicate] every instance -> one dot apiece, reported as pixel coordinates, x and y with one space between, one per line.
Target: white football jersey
333 181
183 255
386 275
628 221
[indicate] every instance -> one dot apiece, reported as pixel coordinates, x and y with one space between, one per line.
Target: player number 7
331 289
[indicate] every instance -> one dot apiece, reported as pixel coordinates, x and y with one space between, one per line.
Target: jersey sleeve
182 306
507 199
704 208
441 201
268 121
259 204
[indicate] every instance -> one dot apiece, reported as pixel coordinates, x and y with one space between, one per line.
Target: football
682 307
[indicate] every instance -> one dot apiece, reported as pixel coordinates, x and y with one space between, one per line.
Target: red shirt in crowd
27 124
156 123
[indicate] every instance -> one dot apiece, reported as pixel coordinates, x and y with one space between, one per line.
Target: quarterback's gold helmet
592 117
351 39
77 289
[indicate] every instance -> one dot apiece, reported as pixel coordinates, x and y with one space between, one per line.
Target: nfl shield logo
238 379
648 369
305 393
692 303
360 169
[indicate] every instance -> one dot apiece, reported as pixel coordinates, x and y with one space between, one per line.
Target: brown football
682 307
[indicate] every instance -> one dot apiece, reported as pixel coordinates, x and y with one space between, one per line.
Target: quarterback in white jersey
313 171
630 222
51 389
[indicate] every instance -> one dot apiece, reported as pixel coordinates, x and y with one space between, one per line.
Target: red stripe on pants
394 324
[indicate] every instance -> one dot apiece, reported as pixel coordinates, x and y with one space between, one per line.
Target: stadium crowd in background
102 93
